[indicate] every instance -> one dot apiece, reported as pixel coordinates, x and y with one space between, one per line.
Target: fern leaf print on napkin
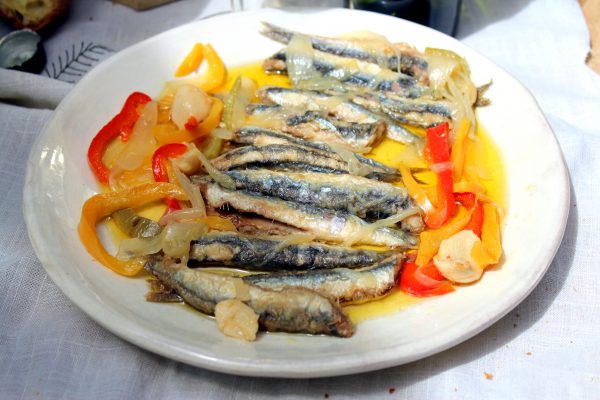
74 63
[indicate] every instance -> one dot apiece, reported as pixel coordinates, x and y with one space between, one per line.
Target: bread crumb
528 353
488 376
391 390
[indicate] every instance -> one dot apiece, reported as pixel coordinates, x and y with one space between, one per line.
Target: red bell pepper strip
470 201
438 151
159 168
413 287
121 125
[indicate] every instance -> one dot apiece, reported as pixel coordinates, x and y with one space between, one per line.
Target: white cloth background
546 348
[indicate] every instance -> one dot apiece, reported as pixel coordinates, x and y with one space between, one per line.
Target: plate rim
239 367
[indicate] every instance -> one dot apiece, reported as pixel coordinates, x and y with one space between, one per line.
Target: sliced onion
292 240
187 214
394 219
222 133
211 147
299 59
240 95
441 167
368 230
355 167
218 176
177 237
189 102
192 191
141 142
137 247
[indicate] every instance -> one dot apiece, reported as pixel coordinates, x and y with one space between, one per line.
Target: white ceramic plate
59 181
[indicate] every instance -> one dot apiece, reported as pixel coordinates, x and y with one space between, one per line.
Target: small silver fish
340 284
397 57
352 72
326 225
317 127
288 310
422 112
272 254
262 137
356 195
337 106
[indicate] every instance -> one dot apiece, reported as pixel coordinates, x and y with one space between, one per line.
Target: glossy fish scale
289 310
337 106
262 254
314 126
340 284
409 63
421 112
353 194
326 225
282 156
262 137
353 72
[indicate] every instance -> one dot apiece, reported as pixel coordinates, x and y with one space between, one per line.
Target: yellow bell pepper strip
192 61
438 150
121 125
219 223
458 152
430 240
102 205
215 75
203 128
489 251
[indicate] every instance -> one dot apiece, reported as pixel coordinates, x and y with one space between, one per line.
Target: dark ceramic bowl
441 15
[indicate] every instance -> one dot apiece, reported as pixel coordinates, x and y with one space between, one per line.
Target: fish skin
337 106
266 254
293 310
252 225
313 126
410 62
280 156
353 72
356 195
289 157
341 285
326 225
421 112
258 136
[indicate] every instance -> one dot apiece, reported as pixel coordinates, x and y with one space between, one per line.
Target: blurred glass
441 15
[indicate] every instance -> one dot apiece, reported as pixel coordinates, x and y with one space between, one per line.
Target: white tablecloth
546 348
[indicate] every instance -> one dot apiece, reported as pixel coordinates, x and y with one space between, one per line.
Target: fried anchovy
288 310
336 106
356 195
353 72
326 225
340 284
421 112
268 254
262 137
362 49
314 126
296 158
